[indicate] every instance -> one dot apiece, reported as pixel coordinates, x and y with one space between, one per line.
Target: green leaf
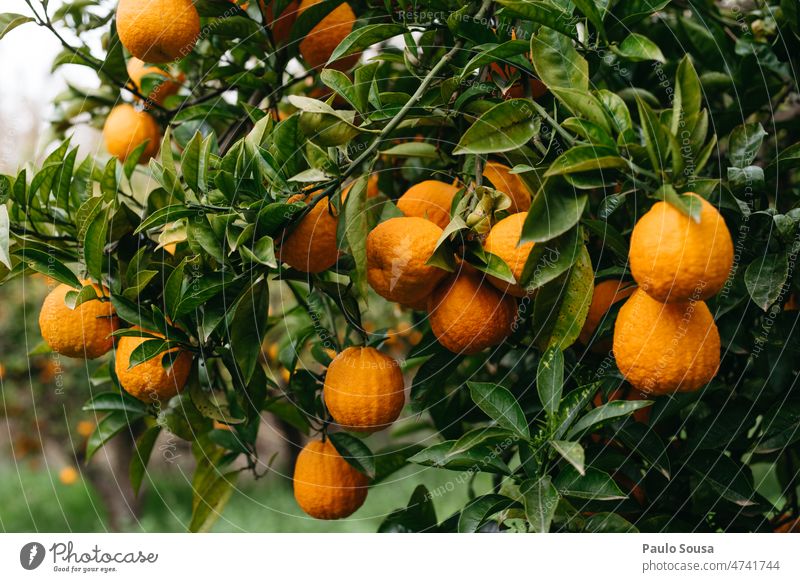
543 13
602 414
765 277
495 53
744 143
572 452
106 429
115 402
729 479
166 215
501 406
195 161
645 442
479 436
247 327
637 47
506 126
541 499
557 62
550 379
608 523
688 97
478 511
141 456
478 458
688 205
341 84
211 499
355 452
594 484
781 427
94 245
585 158
576 297
551 259
356 228
555 210
418 516
364 37
656 137
5 256
589 8
583 104
9 21
414 149
47 264
149 349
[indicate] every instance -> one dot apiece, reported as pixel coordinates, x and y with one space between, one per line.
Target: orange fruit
468 315
397 250
325 485
674 259
503 241
318 45
85 428
606 294
310 245
158 31
149 380
166 88
430 199
364 389
68 475
662 348
127 128
83 332
282 26
509 184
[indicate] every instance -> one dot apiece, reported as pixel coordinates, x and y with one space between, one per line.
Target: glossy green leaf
541 499
500 405
506 126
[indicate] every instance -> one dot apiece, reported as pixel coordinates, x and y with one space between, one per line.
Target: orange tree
589 209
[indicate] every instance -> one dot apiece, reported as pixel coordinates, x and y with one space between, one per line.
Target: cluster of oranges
85 331
665 338
159 33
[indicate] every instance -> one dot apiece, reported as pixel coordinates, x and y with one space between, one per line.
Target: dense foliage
645 100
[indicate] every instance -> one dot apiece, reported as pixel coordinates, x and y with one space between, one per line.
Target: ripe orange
468 315
606 294
310 246
83 332
503 241
318 45
68 475
149 380
662 348
166 88
325 485
282 27
127 128
675 259
430 199
510 184
397 250
158 31
364 389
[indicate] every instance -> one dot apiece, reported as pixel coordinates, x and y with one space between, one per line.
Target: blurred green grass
34 500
